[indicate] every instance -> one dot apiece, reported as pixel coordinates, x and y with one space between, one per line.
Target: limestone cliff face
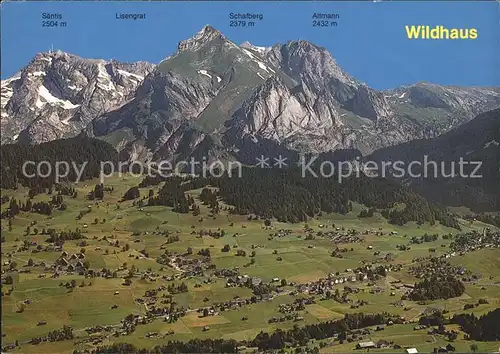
276 112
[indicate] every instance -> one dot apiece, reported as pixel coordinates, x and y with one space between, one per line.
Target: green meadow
291 257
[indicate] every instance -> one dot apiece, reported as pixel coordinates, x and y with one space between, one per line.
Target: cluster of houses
160 305
297 305
384 344
242 280
247 281
381 343
329 283
402 288
37 248
474 240
287 317
424 267
73 263
338 236
281 233
226 272
189 267
98 329
150 299
378 232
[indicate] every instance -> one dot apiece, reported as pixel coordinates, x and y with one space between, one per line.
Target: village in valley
98 271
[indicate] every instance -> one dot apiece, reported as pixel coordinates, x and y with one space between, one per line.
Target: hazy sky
369 42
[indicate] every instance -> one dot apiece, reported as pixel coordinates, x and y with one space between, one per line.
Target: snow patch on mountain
49 98
10 80
250 54
257 61
261 50
66 121
6 95
492 142
7 91
262 66
104 80
204 72
130 75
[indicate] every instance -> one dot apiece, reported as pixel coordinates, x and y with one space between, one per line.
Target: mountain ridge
292 94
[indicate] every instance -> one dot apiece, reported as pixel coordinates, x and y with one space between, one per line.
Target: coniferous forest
75 151
283 194
437 288
289 197
482 328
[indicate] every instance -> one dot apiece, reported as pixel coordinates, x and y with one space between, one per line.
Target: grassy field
301 261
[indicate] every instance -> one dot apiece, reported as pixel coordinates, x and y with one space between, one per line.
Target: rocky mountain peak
205 35
307 62
41 62
302 46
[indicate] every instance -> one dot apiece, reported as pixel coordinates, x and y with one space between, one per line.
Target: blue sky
369 43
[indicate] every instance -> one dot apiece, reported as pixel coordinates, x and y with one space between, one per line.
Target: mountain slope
436 109
477 141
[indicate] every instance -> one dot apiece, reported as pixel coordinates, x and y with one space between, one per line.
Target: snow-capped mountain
57 94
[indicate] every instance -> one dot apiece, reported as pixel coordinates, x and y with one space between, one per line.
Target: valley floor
37 302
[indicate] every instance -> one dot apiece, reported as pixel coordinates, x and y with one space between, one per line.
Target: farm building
365 345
